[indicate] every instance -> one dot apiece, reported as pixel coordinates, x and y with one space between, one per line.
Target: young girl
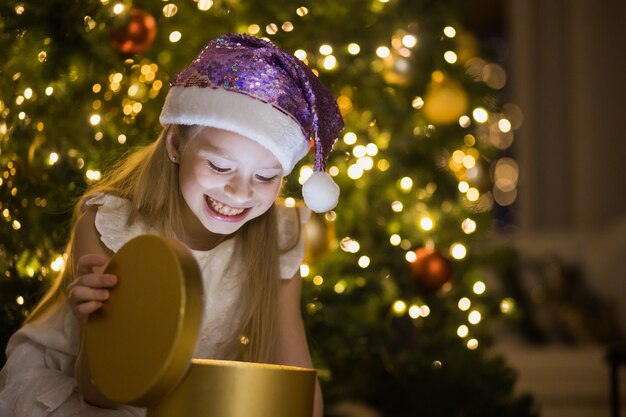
236 121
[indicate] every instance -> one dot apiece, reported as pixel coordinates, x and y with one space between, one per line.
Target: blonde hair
149 181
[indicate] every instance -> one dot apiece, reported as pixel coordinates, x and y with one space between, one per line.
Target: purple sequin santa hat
251 87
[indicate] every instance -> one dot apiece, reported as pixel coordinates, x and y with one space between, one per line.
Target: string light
205 5
305 173
57 264
468 226
383 52
479 288
349 138
472 344
399 307
414 311
371 149
340 287
304 270
354 48
53 158
426 223
450 57
397 206
474 317
254 29
406 184
464 304
290 202
359 151
330 62
458 251
449 31
480 115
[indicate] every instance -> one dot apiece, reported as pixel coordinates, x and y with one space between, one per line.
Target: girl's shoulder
290 221
111 220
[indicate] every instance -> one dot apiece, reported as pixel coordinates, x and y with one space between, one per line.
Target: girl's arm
292 346
87 293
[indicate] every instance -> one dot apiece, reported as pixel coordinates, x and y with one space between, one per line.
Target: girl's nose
239 190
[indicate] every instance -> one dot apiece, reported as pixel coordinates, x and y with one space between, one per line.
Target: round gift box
139 345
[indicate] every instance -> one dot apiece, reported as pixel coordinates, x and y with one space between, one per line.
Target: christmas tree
399 279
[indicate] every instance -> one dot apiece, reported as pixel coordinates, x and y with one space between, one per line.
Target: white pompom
320 192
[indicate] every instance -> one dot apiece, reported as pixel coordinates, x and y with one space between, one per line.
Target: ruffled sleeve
291 221
112 218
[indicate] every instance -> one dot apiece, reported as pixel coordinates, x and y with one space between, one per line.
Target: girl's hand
90 288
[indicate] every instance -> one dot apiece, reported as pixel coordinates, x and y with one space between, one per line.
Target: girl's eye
266 179
217 168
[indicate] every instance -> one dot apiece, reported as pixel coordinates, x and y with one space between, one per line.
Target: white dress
38 378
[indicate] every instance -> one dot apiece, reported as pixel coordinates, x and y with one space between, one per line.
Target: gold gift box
139 345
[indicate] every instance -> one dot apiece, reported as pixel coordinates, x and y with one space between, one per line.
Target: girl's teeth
225 210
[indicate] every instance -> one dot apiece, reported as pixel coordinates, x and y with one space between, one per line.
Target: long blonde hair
149 181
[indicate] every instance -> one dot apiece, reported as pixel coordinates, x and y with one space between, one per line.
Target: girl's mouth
224 212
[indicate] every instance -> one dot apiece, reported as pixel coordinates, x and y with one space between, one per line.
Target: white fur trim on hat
239 113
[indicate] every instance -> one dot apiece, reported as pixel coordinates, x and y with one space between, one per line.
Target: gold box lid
140 343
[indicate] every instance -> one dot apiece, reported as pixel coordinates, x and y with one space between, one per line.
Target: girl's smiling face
225 179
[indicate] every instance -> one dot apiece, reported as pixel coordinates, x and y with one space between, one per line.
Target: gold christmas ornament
139 345
445 101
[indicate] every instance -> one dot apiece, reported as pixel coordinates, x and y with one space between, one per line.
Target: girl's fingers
86 263
95 280
85 309
80 294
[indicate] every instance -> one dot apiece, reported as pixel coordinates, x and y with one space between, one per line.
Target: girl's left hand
90 289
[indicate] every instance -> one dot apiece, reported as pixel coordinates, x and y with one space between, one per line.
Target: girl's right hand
90 288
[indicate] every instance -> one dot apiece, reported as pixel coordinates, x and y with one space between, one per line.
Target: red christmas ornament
136 35
431 270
